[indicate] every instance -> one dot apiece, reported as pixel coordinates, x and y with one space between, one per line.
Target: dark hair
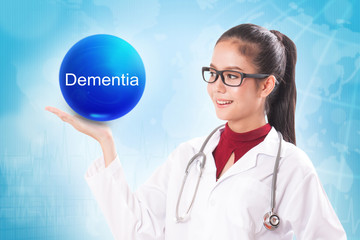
272 53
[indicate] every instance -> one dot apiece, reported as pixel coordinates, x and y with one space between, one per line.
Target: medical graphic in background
43 194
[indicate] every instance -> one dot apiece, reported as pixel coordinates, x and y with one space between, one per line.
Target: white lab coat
231 208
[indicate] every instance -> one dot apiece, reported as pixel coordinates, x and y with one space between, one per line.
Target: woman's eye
231 76
212 74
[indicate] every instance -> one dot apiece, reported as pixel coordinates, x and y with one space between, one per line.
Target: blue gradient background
42 160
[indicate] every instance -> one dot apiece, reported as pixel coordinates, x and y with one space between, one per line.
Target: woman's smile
222 103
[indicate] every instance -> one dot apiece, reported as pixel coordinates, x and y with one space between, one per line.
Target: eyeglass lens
230 77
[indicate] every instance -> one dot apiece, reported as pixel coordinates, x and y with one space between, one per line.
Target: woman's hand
96 130
99 131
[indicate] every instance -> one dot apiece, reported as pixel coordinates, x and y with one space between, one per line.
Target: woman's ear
267 85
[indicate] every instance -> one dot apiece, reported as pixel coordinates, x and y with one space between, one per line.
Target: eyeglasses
229 77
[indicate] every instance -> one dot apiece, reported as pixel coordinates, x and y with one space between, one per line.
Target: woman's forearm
108 147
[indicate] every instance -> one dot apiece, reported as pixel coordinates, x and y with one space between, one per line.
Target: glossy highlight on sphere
102 77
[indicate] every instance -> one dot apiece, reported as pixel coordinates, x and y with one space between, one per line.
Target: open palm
96 130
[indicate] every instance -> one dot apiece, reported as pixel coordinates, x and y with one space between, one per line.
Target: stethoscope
271 219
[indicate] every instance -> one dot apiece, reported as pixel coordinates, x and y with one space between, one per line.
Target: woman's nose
219 85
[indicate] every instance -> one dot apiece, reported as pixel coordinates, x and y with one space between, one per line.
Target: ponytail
281 104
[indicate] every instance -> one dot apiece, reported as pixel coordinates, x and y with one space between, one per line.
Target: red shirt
239 143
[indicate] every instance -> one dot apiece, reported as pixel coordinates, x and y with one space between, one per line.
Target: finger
54 110
61 114
51 109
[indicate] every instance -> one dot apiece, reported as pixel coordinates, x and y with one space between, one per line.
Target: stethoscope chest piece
271 221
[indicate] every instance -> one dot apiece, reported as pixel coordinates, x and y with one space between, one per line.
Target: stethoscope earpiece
271 221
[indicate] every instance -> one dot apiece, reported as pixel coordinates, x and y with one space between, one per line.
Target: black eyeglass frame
220 73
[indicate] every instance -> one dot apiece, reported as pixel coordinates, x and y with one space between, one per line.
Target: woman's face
238 105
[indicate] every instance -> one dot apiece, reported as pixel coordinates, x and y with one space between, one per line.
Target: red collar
239 143
246 136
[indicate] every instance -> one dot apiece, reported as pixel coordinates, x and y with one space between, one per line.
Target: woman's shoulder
296 159
193 144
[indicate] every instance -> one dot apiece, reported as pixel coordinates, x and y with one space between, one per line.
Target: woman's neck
241 126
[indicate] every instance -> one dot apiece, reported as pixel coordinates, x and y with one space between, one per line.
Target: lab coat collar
267 147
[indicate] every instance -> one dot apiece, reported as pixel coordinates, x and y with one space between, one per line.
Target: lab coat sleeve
139 215
310 212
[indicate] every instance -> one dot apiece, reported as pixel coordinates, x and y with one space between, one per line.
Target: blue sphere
102 77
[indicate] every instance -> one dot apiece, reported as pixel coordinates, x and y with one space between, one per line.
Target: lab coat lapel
210 167
246 162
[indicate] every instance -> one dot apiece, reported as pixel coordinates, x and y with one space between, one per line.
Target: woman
251 77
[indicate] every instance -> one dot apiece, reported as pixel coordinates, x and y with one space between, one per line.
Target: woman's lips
221 103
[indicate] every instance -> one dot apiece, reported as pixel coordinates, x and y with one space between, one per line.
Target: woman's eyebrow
229 67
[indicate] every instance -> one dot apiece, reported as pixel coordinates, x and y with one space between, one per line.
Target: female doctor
248 181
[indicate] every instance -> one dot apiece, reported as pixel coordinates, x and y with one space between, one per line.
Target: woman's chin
222 116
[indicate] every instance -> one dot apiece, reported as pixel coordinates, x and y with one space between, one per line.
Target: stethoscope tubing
202 165
274 178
